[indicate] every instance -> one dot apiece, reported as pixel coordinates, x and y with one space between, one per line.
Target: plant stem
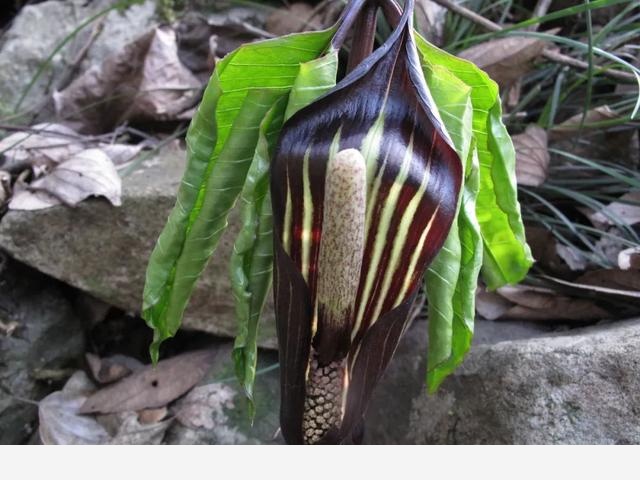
349 16
363 35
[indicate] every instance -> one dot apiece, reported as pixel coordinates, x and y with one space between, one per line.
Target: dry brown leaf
551 254
612 278
629 259
430 20
45 144
294 18
505 59
26 199
152 387
490 305
573 257
203 38
133 431
535 303
625 212
119 153
152 415
111 369
88 173
143 81
532 156
60 421
570 127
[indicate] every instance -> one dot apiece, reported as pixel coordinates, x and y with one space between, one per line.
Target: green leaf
220 146
315 78
507 255
252 258
441 279
469 106
467 242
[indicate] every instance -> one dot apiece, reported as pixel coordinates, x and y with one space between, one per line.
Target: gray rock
38 29
216 412
47 338
576 387
521 384
104 250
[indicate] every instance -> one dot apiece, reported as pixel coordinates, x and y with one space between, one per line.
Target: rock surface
40 338
38 29
576 387
104 250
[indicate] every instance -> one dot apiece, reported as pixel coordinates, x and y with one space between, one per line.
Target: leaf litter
131 405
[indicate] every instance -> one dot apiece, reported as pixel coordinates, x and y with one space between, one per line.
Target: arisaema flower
365 185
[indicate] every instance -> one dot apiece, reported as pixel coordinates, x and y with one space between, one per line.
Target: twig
548 53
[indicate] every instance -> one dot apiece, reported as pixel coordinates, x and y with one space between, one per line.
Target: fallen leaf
570 127
134 432
543 246
574 258
45 144
60 421
296 17
490 305
88 173
625 210
143 81
203 38
505 59
578 284
629 259
430 20
612 278
532 156
152 387
119 153
111 369
152 415
28 200
525 302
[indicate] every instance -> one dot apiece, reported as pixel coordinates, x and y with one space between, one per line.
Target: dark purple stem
363 35
391 11
346 21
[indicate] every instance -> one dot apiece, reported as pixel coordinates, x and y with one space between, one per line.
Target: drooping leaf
468 245
451 280
220 145
253 250
252 257
507 256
